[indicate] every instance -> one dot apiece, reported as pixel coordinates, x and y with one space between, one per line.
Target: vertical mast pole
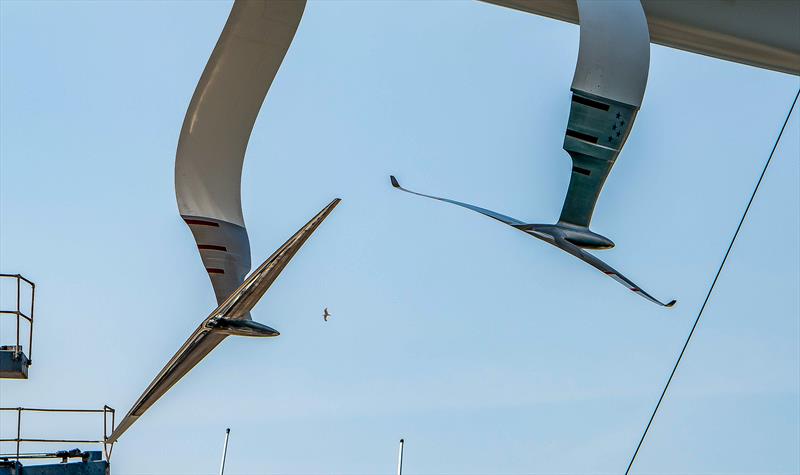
399 459
224 451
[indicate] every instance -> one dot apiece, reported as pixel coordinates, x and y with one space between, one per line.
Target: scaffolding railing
19 314
64 455
109 423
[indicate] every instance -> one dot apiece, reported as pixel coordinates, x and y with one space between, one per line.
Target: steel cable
713 283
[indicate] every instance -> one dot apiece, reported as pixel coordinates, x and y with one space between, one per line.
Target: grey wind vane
208 169
231 317
607 91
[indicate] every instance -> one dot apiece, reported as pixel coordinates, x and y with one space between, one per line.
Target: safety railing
19 314
109 423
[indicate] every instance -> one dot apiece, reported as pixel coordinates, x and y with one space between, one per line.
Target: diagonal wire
710 289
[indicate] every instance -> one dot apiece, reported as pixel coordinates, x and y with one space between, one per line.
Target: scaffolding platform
14 362
90 463
60 462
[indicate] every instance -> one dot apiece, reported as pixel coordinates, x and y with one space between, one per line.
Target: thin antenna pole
399 459
224 451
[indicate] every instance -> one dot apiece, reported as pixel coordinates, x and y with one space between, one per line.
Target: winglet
231 317
229 326
556 235
671 303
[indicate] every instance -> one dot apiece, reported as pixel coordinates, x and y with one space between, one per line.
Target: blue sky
489 351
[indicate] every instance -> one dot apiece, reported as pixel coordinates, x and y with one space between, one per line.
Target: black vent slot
581 136
582 171
589 102
211 247
214 270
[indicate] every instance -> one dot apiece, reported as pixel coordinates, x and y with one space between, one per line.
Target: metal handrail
106 411
18 313
64 455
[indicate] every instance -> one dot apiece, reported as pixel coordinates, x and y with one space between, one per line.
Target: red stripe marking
201 222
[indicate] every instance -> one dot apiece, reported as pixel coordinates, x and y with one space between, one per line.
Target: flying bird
325 314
